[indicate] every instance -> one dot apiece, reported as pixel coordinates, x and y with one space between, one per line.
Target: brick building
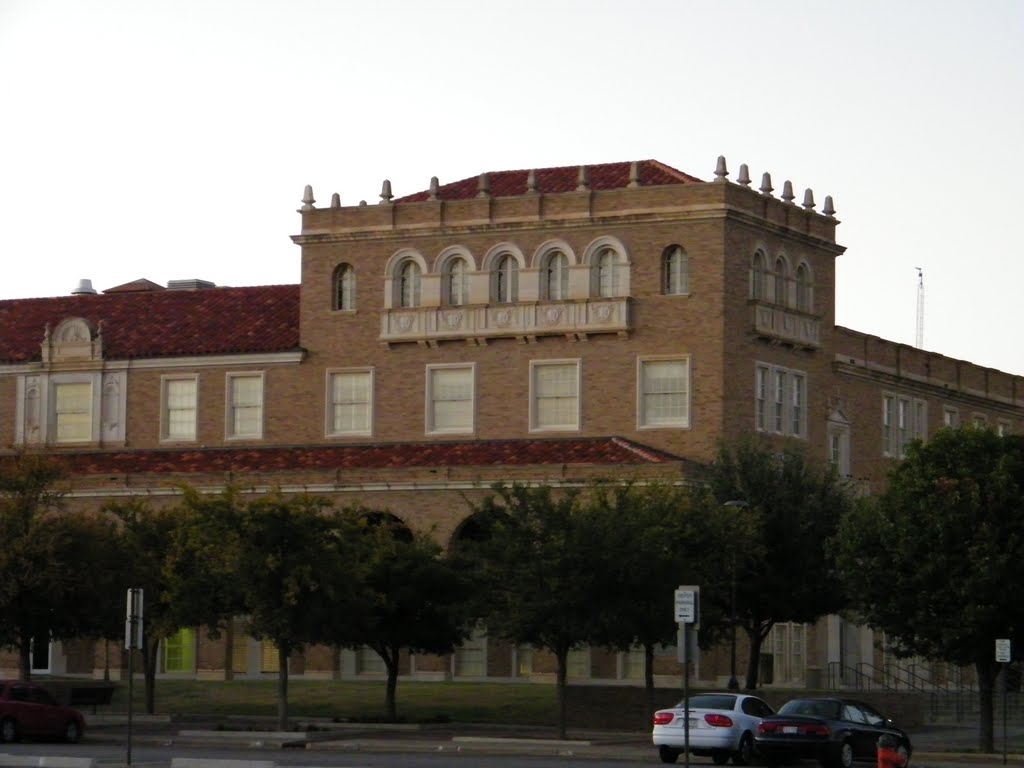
554 325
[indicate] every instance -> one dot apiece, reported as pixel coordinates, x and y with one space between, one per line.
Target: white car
722 726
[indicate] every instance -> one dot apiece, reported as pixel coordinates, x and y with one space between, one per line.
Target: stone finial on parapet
828 209
531 182
483 187
721 171
744 177
787 191
766 183
335 200
809 199
583 180
307 198
634 174
385 192
434 186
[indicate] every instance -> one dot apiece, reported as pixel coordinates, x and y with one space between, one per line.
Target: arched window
804 295
345 287
676 280
456 282
605 273
556 277
409 284
507 280
781 281
758 284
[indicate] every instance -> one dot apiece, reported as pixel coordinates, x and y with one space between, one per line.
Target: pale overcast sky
172 140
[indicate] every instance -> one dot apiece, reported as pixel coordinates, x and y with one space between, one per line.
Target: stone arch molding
74 338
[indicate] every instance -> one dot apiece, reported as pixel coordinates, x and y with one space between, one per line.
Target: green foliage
785 572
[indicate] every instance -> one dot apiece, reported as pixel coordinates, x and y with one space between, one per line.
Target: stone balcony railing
786 325
574 319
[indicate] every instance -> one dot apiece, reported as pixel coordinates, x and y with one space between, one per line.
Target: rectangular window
73 412
245 405
780 400
450 398
950 417
179 651
554 395
664 392
839 447
980 421
179 411
903 419
1002 428
350 407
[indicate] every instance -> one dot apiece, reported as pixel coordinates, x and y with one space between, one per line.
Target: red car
28 710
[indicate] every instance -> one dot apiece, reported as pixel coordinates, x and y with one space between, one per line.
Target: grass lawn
528 704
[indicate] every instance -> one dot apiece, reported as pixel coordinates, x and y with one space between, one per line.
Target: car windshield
709 701
811 708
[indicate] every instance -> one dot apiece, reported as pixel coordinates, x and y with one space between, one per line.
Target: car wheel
745 754
719 758
844 757
72 732
667 754
8 730
903 750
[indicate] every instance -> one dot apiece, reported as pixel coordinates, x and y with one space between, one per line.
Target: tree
535 555
933 561
45 556
293 564
653 538
409 598
798 506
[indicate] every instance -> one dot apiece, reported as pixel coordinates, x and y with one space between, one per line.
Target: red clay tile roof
142 284
163 323
555 180
598 450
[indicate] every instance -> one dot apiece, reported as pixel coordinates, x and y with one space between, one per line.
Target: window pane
556 395
350 402
557 277
181 409
451 392
508 280
664 384
246 405
73 405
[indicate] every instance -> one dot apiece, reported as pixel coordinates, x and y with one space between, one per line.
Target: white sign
133 619
686 603
1003 649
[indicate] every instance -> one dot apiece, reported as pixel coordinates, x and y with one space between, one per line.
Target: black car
837 732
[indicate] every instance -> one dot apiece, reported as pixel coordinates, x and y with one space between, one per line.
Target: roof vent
189 285
84 286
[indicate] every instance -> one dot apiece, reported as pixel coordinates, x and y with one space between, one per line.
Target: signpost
1004 655
132 642
687 612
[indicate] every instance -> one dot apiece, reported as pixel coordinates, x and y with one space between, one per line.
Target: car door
45 712
862 734
21 708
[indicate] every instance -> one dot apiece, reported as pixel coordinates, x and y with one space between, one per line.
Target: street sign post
687 613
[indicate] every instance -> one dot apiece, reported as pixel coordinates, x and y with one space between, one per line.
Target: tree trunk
150 647
649 681
756 637
987 671
282 687
25 657
391 686
563 673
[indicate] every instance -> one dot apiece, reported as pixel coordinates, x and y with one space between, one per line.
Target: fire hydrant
888 754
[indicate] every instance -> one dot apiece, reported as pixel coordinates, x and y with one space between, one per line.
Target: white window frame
230 406
89 412
1003 427
345 288
838 444
410 284
506 279
642 419
605 273
950 417
569 426
331 405
780 400
904 418
979 420
430 415
556 279
456 282
165 408
676 271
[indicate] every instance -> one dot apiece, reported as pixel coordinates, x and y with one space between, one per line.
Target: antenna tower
920 308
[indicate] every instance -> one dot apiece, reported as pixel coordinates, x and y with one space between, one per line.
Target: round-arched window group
774 282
